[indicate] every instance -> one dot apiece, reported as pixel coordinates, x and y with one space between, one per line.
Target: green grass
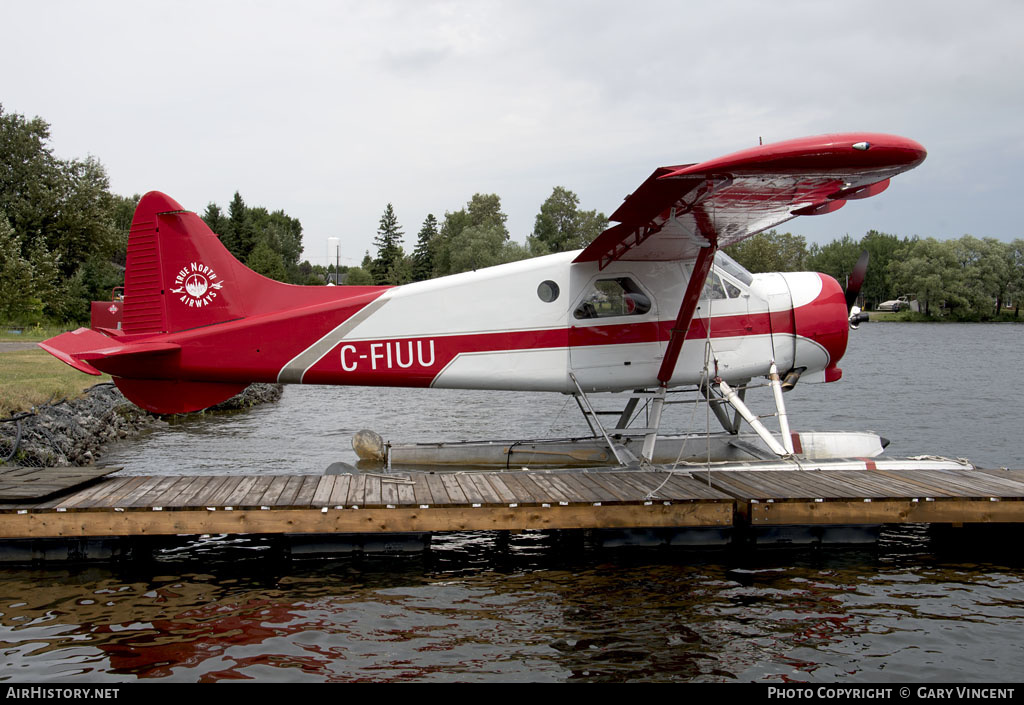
10 333
32 377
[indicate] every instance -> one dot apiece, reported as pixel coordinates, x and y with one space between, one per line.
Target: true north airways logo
197 285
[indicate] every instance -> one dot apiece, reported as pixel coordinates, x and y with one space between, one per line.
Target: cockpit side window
718 287
613 297
713 288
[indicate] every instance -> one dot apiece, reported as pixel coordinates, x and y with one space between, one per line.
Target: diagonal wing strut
687 309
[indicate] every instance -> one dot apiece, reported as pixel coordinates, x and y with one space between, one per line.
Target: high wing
679 208
685 213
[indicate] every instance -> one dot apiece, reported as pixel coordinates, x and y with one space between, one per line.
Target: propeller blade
856 280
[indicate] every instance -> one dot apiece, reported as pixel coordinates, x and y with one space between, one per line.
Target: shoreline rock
76 432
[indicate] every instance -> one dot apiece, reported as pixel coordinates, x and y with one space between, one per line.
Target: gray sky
330 110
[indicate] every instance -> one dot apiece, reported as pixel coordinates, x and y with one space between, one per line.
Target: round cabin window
547 291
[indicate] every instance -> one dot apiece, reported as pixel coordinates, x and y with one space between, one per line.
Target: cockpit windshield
731 266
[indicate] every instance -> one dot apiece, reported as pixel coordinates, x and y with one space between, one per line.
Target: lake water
913 608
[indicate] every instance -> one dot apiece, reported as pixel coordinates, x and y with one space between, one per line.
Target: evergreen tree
215 219
387 266
423 255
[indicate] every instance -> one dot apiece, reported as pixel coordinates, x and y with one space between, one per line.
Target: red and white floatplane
651 307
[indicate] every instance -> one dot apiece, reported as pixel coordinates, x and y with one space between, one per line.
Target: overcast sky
331 110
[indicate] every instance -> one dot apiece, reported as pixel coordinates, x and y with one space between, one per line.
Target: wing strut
701 268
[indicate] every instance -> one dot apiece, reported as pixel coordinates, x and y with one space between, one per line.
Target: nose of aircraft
824 320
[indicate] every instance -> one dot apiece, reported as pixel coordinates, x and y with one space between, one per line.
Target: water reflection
538 609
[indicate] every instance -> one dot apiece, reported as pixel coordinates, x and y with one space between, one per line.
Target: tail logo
197 285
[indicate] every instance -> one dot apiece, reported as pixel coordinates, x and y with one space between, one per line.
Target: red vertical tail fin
178 274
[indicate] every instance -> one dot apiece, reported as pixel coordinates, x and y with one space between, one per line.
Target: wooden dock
123 506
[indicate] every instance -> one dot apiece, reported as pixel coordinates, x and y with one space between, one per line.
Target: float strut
766 436
780 406
657 404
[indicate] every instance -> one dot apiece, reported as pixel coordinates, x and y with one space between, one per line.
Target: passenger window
613 297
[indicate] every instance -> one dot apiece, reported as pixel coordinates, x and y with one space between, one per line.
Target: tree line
472 238
968 278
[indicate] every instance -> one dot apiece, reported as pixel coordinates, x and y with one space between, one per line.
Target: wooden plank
192 497
878 486
438 491
374 493
982 485
514 482
924 485
506 494
469 489
754 485
241 490
618 486
454 490
641 489
254 497
421 490
215 494
962 485
485 488
314 521
339 493
584 490
324 488
538 492
273 492
70 501
20 484
97 497
551 490
949 510
607 483
1010 474
153 484
767 485
1006 478
214 488
407 490
290 491
124 494
731 484
389 491
484 493
304 497
685 487
607 495
170 492
357 491
824 485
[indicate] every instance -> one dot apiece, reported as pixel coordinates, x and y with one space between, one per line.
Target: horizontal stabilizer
176 397
94 353
66 346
